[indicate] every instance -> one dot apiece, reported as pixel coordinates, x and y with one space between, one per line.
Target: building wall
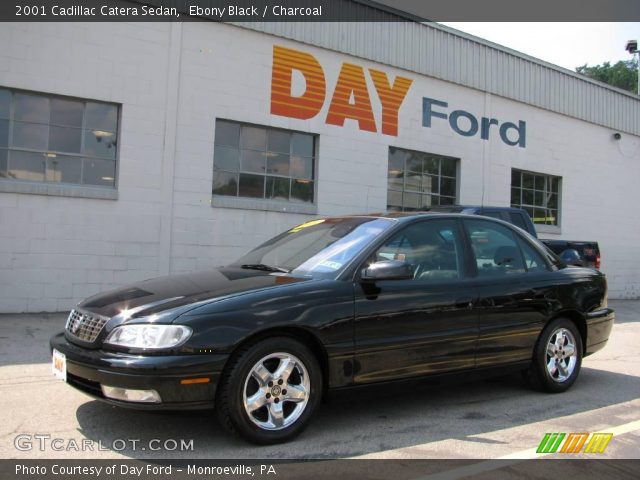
174 80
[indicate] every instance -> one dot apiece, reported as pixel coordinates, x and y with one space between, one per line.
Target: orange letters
350 100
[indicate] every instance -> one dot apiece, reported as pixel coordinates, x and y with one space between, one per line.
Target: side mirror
386 270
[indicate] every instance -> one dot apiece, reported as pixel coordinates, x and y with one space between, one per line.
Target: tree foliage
623 74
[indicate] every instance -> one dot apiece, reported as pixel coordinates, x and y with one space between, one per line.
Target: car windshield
319 248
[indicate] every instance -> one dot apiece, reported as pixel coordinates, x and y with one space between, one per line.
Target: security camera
632 46
617 136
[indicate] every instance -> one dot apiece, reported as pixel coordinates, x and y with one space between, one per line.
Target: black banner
542 469
318 10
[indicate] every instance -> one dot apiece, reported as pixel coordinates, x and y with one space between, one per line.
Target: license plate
59 365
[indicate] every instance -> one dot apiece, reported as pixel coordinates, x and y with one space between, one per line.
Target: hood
173 291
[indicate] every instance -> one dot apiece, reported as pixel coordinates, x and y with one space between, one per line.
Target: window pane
538 198
394 200
100 143
227 133
254 138
27 166
532 259
30 135
225 184
3 162
515 178
301 167
429 201
431 165
515 196
429 184
251 186
302 144
411 201
540 182
253 161
302 190
414 162
31 108
5 102
449 167
4 133
396 161
100 116
226 158
65 139
99 172
277 188
448 187
552 217
66 112
61 168
495 249
527 197
552 201
554 184
447 200
278 164
278 141
527 181
395 182
413 182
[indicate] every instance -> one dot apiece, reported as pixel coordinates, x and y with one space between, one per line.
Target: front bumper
599 325
88 369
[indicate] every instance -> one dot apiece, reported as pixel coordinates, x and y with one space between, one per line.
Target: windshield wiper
263 267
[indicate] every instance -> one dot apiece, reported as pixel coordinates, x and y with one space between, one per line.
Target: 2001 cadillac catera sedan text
334 303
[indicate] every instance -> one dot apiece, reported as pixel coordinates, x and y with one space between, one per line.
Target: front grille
85 326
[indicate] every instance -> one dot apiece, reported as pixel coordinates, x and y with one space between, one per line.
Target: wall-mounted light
617 136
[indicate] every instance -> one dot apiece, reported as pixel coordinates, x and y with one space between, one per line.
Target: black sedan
334 303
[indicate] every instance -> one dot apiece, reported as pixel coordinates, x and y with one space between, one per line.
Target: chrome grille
85 326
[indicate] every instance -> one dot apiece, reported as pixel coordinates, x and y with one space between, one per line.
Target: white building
113 136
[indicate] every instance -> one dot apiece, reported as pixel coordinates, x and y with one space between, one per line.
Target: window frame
539 227
44 187
439 176
268 204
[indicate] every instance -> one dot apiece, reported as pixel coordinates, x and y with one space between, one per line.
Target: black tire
237 380
538 375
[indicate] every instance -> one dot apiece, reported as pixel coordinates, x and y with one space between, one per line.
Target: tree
623 74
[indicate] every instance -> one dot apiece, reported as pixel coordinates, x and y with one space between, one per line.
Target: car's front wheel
557 357
270 390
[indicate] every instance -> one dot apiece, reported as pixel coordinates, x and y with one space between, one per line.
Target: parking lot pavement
493 418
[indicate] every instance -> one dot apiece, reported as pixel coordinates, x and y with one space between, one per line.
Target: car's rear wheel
270 390
557 357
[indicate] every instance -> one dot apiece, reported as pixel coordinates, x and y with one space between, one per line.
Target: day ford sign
351 100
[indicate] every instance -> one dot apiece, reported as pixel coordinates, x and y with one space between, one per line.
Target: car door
515 292
421 325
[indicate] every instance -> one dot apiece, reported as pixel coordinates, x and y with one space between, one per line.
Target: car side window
495 249
532 259
432 248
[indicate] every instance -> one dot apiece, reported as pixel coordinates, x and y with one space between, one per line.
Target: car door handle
464 303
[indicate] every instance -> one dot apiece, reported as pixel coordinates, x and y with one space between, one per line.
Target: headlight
148 336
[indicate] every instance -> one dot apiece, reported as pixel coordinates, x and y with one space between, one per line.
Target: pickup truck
572 252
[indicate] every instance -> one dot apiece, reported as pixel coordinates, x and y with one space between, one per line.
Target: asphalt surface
485 419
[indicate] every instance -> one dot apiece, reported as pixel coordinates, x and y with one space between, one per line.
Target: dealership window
263 163
55 140
418 180
538 194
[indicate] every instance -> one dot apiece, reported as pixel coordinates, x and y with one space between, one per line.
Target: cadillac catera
335 303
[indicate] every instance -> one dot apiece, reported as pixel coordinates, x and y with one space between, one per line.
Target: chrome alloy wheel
561 355
276 391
